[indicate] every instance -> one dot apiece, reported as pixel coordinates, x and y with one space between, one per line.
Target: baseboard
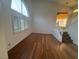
40 33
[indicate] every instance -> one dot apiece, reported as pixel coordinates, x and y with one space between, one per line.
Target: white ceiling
68 3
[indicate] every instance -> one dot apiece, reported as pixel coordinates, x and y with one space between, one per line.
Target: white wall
44 18
13 38
3 46
57 34
73 29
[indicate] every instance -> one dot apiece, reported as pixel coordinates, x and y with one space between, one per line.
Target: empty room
38 29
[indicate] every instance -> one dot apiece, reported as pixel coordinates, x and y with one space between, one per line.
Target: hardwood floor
43 46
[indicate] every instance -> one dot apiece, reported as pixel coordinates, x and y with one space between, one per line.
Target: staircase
66 38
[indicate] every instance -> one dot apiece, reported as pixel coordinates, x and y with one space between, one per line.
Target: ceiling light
62 19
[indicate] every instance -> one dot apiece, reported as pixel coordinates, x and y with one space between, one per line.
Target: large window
19 24
19 6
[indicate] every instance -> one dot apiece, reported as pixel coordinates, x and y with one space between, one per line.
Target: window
24 10
16 5
22 24
16 24
26 24
19 24
20 7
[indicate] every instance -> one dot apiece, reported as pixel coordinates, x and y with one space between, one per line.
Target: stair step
66 38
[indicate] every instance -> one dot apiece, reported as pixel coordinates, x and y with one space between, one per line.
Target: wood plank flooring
43 46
